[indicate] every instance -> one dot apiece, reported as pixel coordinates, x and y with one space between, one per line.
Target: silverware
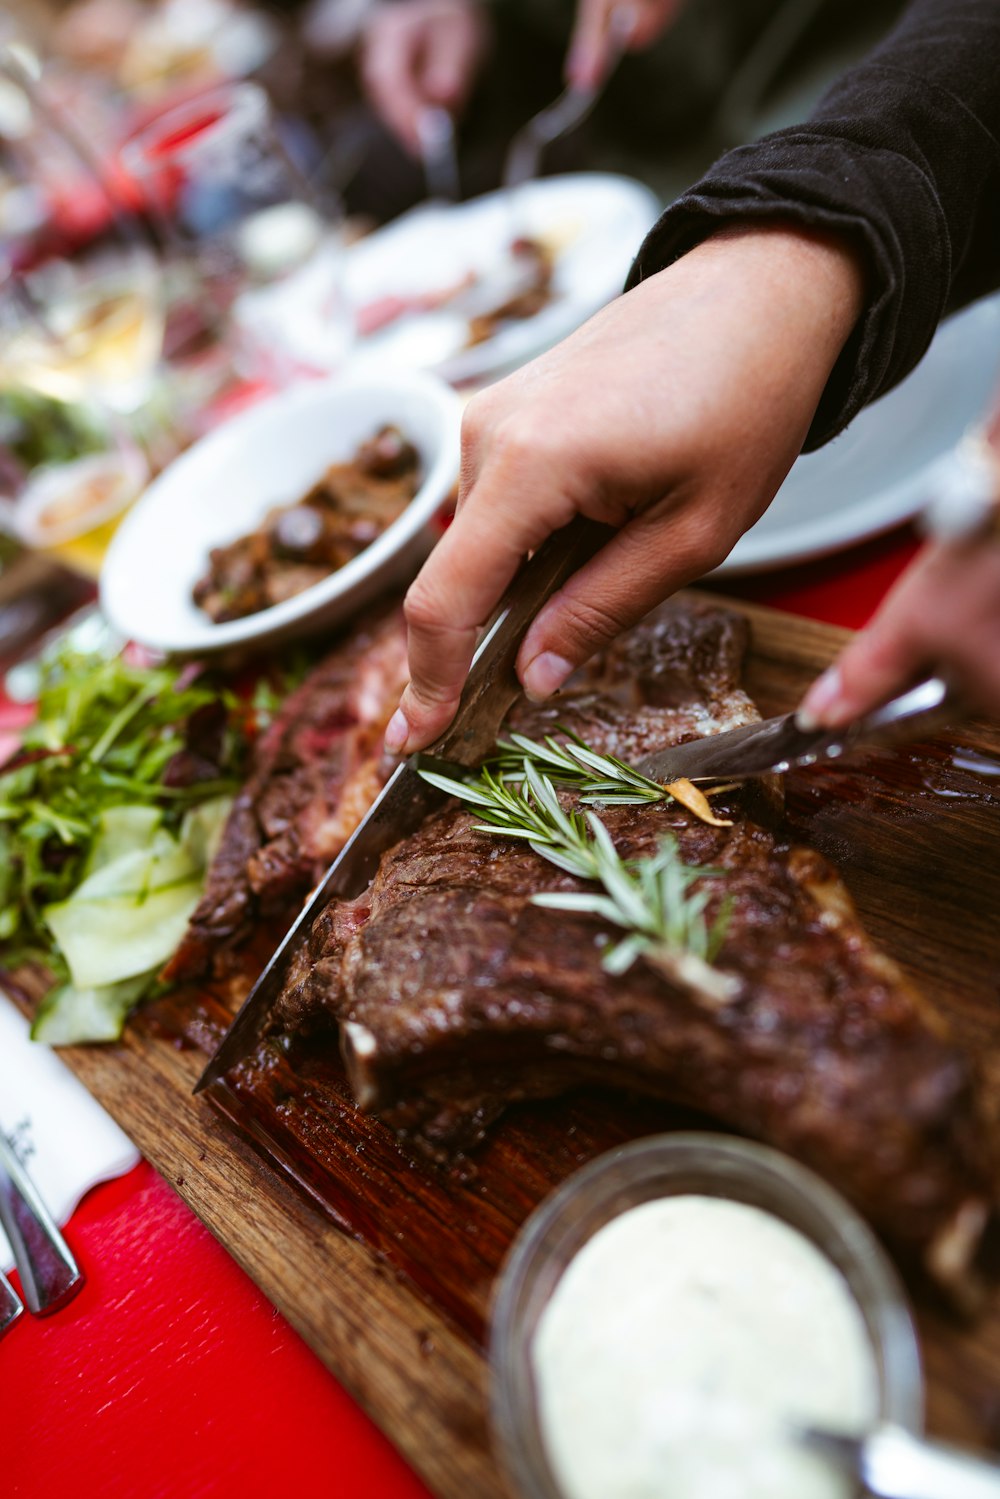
11 1305
571 108
490 689
49 1274
779 744
893 1464
439 154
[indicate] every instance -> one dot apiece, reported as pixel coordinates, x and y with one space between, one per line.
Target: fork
50 1276
11 1305
570 109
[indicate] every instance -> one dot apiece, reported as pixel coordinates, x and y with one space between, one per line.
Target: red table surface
171 1376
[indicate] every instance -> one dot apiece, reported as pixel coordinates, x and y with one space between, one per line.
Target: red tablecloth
170 1376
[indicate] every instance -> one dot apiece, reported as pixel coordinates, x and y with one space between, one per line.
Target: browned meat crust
315 774
457 996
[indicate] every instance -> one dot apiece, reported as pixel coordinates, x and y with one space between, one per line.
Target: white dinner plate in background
597 222
881 471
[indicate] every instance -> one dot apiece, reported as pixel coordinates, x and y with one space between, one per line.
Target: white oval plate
598 220
271 455
882 470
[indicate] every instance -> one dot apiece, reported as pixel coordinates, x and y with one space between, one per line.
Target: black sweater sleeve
903 153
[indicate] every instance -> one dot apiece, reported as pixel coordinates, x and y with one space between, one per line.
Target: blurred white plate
881 471
596 220
271 455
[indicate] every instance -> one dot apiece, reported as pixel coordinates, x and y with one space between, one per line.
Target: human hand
419 56
942 615
603 28
674 414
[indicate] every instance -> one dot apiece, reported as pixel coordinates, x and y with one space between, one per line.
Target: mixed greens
109 816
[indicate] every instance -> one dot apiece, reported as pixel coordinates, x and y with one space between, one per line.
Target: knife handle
492 686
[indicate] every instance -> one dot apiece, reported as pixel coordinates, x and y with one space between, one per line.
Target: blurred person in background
802 277
493 65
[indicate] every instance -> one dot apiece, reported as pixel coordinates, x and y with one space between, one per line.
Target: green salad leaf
109 816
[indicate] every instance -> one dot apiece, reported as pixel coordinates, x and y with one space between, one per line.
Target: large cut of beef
316 772
456 995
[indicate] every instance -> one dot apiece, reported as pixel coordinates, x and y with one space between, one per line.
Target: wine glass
78 322
228 196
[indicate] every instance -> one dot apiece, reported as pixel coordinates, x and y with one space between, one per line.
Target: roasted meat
316 772
456 995
296 546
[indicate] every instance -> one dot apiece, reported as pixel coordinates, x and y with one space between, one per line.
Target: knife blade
891 1463
490 688
779 744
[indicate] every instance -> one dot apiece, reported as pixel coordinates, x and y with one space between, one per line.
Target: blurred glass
226 194
81 318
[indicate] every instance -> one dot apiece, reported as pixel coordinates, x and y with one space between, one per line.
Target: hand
943 614
674 414
422 55
603 28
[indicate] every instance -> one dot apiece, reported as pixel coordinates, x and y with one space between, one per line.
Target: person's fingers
454 595
876 666
448 64
652 556
391 73
603 29
884 658
589 47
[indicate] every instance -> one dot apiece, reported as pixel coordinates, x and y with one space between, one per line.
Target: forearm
902 158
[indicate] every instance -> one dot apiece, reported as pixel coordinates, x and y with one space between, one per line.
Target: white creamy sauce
681 1342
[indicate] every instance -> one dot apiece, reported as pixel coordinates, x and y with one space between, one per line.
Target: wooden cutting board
385 1263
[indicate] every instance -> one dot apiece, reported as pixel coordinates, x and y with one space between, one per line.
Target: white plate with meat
289 518
427 291
883 469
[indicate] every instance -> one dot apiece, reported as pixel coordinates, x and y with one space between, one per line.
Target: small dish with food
288 518
677 1312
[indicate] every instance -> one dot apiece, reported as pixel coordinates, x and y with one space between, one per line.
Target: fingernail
397 732
820 701
545 675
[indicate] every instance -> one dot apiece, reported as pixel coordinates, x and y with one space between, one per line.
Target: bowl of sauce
672 1316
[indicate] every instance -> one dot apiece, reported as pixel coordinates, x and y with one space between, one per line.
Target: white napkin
61 1135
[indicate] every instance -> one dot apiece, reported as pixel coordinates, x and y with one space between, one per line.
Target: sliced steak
456 995
315 774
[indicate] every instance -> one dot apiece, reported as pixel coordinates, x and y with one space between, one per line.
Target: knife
405 800
891 1463
779 744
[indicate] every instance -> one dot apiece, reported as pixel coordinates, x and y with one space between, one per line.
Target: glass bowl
667 1166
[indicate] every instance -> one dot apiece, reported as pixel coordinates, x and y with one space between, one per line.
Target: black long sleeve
903 153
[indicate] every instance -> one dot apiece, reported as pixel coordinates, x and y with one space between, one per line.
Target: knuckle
422 607
592 620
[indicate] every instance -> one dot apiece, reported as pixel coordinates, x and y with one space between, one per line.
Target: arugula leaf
111 734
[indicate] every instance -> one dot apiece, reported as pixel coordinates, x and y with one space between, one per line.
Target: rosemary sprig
650 899
598 778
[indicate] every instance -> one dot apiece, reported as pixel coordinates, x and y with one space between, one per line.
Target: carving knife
490 689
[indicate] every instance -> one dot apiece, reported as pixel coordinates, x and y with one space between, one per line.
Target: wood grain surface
385 1263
